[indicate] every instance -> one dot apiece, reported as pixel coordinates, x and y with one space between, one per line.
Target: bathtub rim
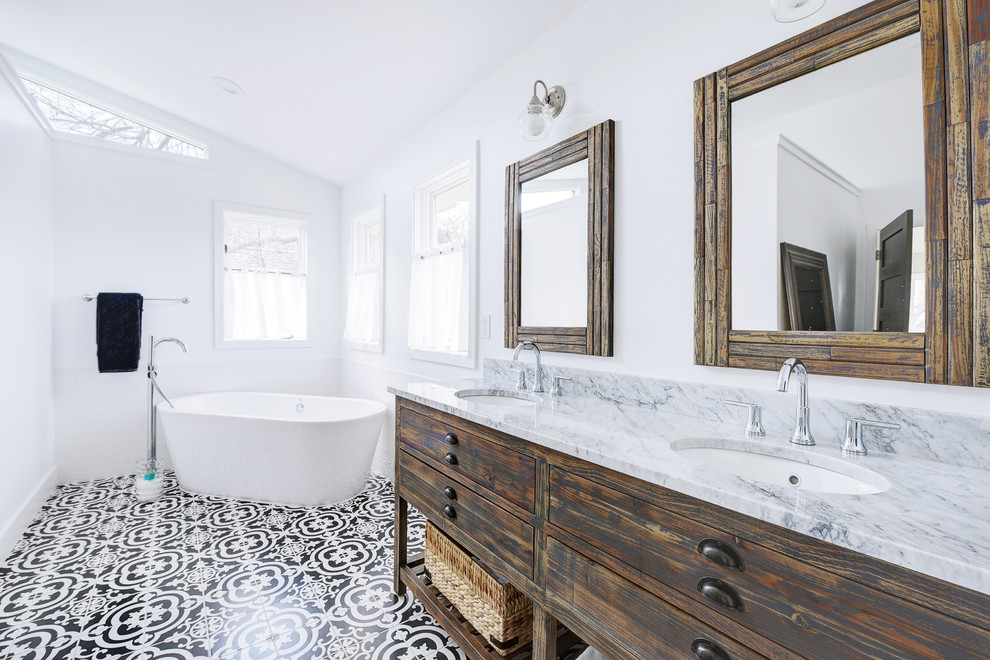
163 407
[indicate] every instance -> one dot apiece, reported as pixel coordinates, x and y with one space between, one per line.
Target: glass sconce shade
535 120
788 11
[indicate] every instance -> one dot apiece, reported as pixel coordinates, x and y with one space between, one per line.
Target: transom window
67 112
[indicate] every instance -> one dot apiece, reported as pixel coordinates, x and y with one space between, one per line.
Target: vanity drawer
454 448
466 516
808 610
586 595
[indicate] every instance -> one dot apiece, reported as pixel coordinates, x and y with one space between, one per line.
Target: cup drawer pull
449 512
706 650
450 493
450 458
719 592
451 438
720 553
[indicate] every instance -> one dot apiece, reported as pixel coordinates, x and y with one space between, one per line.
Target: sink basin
781 466
497 397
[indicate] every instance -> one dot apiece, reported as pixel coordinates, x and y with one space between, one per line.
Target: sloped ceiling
330 84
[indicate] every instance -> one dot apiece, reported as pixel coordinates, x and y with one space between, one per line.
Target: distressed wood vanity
641 571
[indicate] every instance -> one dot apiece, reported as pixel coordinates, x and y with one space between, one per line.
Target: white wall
756 280
827 226
130 221
640 73
555 264
133 222
783 194
26 441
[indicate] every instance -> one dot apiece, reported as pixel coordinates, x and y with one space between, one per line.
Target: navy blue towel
118 331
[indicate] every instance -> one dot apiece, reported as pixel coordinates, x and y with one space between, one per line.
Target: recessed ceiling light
228 85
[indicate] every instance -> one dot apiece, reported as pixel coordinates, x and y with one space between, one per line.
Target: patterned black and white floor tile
99 575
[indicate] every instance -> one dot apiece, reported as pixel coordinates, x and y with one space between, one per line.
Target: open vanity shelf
417 579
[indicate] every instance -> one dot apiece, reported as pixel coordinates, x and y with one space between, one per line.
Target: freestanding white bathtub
280 448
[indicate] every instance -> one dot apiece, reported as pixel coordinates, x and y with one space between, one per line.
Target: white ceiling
330 84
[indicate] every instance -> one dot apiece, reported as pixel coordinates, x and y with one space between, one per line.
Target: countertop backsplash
953 439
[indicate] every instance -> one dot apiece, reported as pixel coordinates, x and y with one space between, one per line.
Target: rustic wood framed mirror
559 222
950 339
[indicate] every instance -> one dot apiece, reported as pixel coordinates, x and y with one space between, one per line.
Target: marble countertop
934 518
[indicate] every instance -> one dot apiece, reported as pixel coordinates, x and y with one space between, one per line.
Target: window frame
263 214
15 75
424 195
359 226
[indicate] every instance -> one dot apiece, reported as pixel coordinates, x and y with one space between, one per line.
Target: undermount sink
781 466
497 397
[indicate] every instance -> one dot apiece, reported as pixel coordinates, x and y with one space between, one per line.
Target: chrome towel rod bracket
185 301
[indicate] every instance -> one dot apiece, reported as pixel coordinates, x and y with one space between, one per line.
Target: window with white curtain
363 324
262 296
441 298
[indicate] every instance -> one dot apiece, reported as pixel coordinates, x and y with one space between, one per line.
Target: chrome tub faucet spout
802 432
153 387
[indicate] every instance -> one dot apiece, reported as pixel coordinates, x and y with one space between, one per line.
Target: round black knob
451 438
450 459
449 512
719 592
720 553
450 493
706 650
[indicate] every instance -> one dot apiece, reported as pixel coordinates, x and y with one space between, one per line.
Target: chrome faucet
152 374
538 376
754 425
853 445
154 386
802 434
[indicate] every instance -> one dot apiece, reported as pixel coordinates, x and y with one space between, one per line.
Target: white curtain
438 302
261 305
364 308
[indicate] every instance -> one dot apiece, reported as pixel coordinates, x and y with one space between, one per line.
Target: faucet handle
555 389
520 378
754 425
853 445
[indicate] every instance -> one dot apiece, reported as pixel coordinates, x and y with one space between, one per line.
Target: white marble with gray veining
934 519
962 440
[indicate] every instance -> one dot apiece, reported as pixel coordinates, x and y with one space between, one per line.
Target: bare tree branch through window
77 117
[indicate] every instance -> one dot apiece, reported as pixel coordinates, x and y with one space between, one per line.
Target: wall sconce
788 11
536 118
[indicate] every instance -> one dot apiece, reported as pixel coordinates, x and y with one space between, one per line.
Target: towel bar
185 301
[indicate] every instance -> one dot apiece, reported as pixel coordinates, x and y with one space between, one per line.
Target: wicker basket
496 609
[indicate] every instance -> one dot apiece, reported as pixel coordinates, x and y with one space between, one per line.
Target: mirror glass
554 268
833 164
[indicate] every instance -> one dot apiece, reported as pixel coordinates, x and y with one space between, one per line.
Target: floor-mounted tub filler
148 480
280 448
